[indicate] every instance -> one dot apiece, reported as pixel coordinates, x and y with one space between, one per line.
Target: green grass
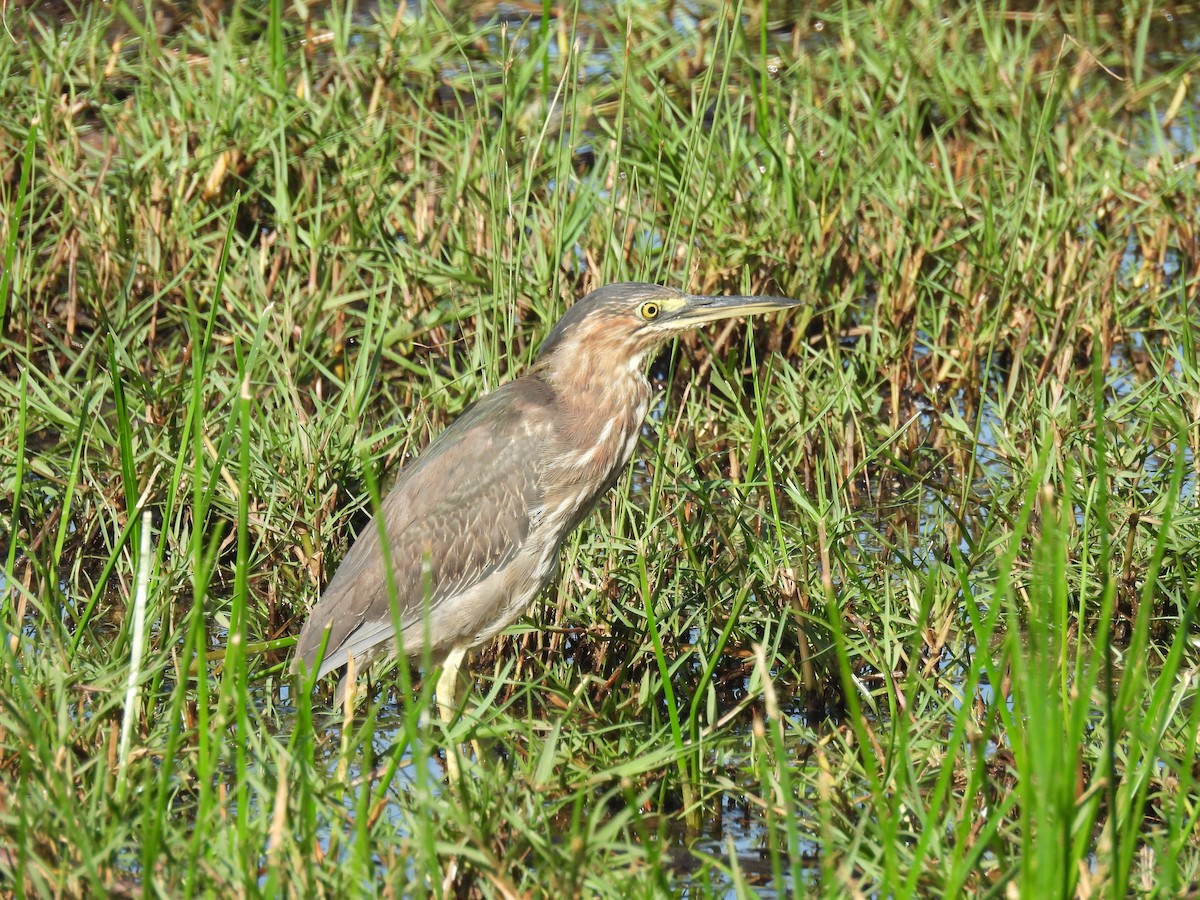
899 597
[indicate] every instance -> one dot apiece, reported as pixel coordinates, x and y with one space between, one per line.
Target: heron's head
616 327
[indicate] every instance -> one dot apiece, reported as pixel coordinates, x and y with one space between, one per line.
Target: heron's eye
650 311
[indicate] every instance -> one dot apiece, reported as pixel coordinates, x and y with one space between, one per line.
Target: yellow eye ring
649 310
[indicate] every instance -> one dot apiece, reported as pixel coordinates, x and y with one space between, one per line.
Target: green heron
475 524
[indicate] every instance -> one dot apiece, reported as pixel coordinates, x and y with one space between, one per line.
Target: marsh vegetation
899 595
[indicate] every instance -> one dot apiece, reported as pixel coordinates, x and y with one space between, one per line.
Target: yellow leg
447 689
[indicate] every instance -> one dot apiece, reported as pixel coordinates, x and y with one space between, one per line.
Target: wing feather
459 513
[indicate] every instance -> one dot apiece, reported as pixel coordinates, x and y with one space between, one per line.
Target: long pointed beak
701 308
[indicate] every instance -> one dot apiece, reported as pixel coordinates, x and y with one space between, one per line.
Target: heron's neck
601 406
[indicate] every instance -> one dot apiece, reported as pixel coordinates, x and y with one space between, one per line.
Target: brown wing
463 509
